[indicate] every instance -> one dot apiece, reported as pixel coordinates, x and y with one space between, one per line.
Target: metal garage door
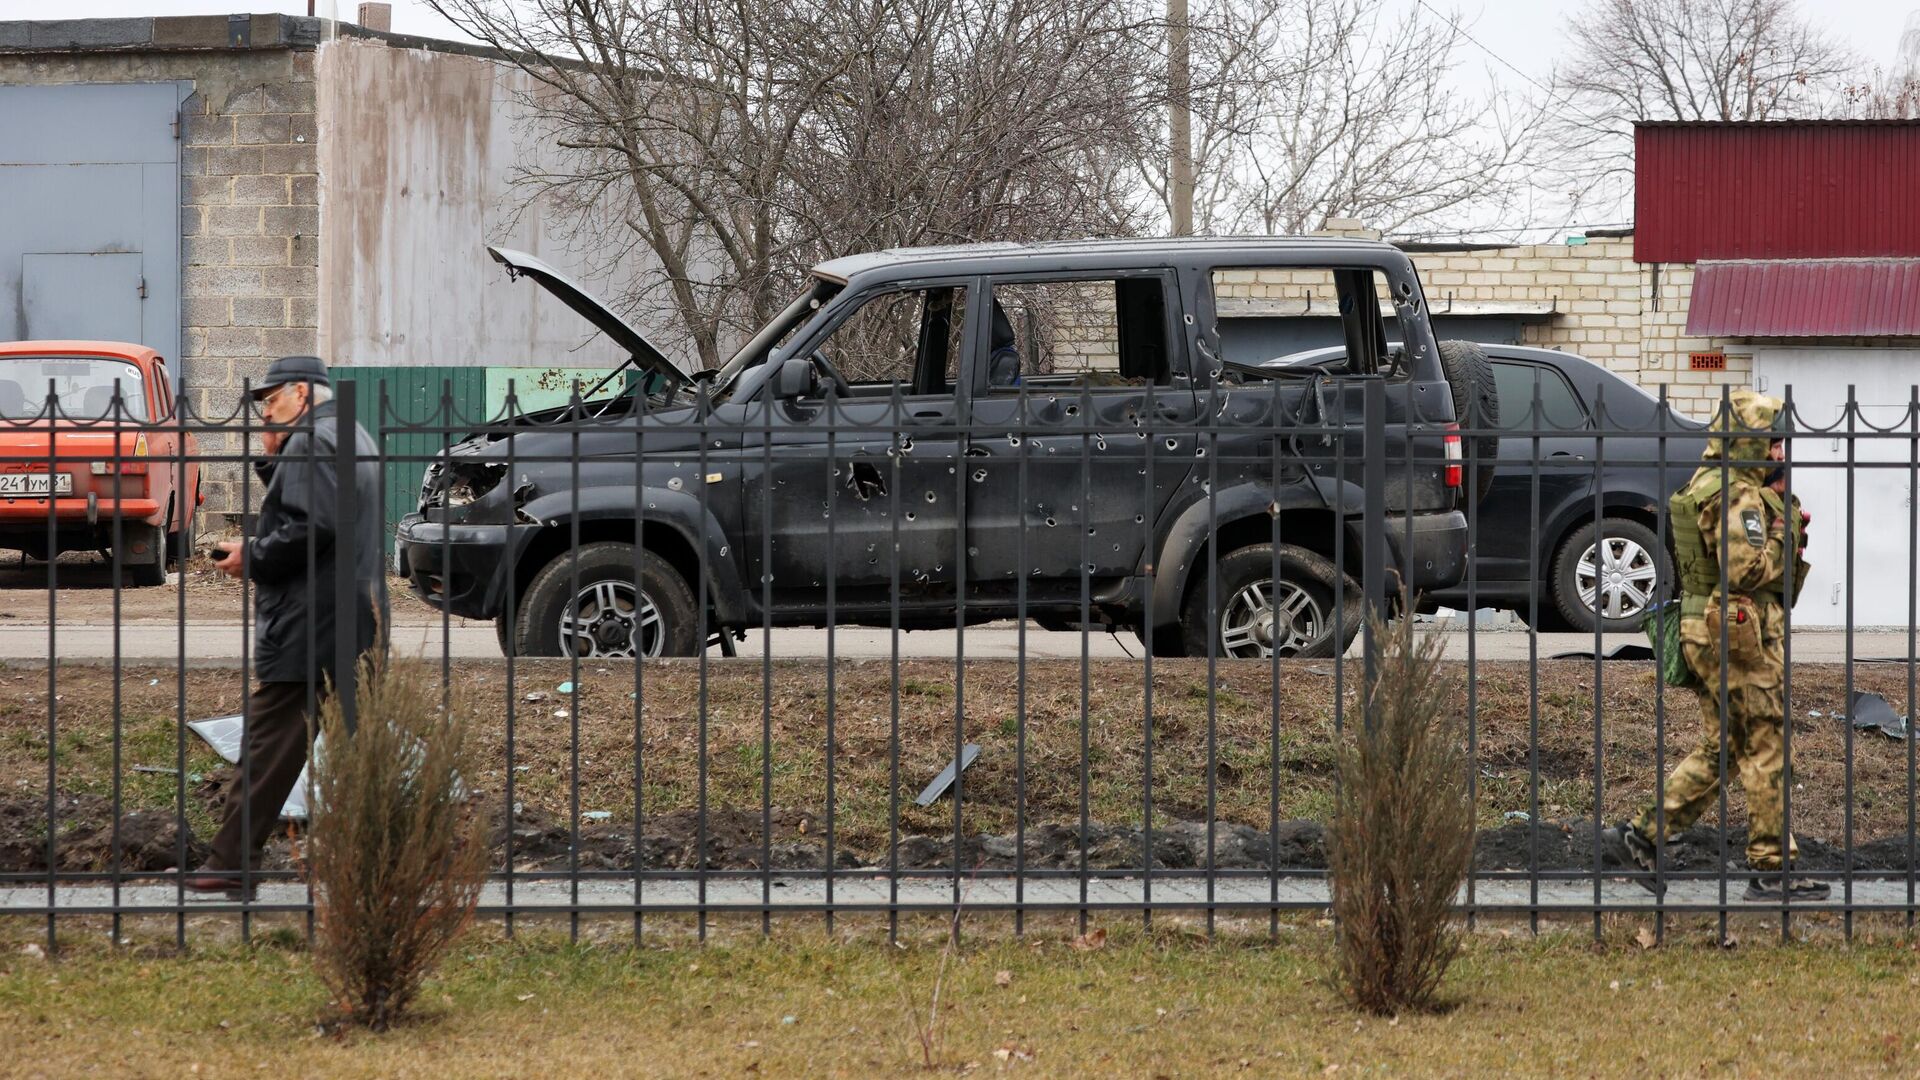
90 214
1882 506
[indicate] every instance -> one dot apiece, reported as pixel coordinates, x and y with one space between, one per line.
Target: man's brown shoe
218 881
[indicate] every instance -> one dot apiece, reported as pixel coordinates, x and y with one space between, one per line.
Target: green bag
1662 626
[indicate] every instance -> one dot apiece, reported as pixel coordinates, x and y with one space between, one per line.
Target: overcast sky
1516 44
1524 33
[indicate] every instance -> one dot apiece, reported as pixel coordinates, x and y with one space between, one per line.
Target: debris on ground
224 733
1870 712
1626 651
941 783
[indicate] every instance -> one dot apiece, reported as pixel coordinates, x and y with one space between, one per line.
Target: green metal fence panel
414 395
535 389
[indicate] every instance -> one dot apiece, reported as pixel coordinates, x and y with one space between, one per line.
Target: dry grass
1168 1004
796 720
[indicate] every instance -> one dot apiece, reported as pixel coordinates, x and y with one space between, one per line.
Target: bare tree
1303 112
1638 60
738 142
1891 93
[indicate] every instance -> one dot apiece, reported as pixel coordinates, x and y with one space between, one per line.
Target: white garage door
1877 515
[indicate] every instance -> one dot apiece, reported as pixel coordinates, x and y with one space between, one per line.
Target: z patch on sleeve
1756 529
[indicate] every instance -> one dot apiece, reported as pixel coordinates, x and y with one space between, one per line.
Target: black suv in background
1565 566
967 434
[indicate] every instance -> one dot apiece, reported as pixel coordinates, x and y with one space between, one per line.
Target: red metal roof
1776 190
1806 298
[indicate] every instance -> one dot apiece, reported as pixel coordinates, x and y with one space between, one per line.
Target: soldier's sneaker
1629 849
1766 889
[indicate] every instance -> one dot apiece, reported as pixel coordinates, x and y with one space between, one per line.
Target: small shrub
1402 838
396 857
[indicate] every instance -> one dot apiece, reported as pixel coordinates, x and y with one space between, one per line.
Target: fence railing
1086 651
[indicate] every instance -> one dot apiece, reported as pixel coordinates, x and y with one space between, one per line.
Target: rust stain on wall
418 151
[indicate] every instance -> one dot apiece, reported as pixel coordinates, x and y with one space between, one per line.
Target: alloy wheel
611 619
1262 619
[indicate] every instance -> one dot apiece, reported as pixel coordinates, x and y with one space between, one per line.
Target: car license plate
18 485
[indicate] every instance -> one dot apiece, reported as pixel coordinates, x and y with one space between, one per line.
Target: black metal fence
1044 614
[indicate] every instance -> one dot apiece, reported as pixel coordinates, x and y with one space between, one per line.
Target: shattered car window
1268 312
1059 334
775 334
910 338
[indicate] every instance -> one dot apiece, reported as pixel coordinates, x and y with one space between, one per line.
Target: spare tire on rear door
1476 405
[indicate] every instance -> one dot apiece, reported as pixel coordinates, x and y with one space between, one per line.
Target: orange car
61 483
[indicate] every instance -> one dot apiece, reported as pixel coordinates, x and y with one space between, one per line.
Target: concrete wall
418 151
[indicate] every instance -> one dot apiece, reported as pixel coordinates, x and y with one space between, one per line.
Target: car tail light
1456 472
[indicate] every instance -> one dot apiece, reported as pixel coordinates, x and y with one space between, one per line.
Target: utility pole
1179 119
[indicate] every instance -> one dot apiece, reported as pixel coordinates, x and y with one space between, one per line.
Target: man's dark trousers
276 750
293 560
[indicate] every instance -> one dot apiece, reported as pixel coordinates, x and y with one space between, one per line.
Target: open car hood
640 351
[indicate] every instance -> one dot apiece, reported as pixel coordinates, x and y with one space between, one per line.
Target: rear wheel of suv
1618 569
589 607
1476 405
1255 617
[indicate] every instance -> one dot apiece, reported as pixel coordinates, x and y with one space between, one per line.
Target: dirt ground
1213 756
86 594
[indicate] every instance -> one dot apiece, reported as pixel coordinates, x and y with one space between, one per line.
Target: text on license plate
13 485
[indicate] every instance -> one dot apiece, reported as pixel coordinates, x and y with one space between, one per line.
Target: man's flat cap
289 369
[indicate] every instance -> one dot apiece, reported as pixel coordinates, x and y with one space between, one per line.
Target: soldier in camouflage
1734 535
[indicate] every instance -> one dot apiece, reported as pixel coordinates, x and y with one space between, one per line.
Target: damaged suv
927 437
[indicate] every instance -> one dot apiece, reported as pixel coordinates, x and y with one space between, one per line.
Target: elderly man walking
293 559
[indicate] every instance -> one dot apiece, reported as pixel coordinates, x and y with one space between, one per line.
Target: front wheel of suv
1617 570
585 604
1256 617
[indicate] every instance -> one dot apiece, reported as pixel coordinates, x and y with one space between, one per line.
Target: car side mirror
796 378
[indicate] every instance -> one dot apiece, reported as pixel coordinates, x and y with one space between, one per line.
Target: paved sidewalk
856 891
210 643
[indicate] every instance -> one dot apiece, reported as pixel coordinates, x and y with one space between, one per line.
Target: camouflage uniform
1760 533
